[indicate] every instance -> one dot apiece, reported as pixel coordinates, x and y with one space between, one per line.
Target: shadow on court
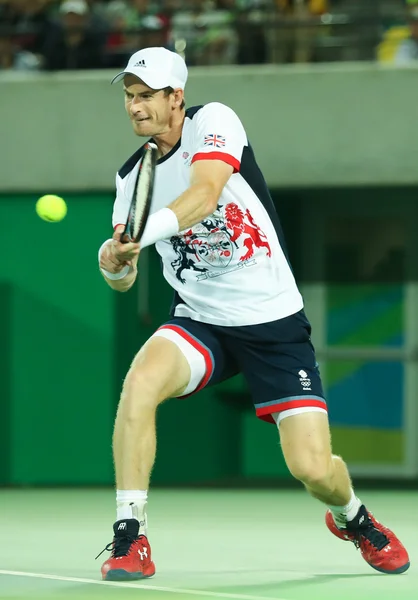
307 582
334 585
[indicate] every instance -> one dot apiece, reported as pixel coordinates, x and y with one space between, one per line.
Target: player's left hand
125 251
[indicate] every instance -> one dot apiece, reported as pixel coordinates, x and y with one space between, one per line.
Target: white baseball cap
79 7
156 67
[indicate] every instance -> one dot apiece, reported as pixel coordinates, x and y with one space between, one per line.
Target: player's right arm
117 261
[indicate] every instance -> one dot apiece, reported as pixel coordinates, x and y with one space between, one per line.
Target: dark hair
169 90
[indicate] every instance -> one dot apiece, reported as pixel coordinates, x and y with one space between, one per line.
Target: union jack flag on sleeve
214 140
227 144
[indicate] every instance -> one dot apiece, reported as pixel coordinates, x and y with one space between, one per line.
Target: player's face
149 110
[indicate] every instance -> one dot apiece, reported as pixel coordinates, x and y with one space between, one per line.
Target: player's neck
167 140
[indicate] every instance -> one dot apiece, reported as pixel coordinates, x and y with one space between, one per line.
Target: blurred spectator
33 23
400 39
84 34
133 24
293 33
29 20
98 17
205 33
13 57
408 48
73 43
253 24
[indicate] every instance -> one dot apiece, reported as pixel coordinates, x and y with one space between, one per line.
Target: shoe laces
373 535
119 547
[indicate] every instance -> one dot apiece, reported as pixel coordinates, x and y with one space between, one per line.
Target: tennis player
236 308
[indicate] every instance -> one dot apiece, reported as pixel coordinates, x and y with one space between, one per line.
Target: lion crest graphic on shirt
244 225
210 246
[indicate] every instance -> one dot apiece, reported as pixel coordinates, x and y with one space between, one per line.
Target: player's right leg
159 371
180 358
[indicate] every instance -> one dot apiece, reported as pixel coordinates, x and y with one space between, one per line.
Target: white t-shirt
231 269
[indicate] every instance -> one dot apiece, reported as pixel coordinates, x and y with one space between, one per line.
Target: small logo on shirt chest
187 159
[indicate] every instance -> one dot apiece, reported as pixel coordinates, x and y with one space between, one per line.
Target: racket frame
152 151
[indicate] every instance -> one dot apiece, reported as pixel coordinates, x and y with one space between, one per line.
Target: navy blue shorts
277 360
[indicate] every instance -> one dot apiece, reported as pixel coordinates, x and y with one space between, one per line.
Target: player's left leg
278 362
306 446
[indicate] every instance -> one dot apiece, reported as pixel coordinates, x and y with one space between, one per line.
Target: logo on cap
140 63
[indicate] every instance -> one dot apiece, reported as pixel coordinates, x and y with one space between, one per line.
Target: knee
313 471
141 391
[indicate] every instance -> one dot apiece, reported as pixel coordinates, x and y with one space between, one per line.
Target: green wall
58 360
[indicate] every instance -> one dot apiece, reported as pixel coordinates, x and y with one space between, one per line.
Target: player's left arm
207 180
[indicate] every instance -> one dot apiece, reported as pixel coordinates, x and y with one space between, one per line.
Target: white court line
153 588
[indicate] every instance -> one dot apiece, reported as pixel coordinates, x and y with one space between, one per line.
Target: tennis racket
142 196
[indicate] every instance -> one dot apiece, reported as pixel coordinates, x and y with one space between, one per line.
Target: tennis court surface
206 544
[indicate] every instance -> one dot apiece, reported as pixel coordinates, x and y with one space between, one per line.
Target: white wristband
102 247
113 276
162 225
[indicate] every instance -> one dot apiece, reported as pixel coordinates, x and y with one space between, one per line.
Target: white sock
131 505
342 514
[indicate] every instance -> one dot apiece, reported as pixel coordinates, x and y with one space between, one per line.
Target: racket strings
142 194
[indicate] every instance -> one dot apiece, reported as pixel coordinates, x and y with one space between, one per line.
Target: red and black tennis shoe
378 545
131 554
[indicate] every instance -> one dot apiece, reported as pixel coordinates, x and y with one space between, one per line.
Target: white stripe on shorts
279 416
195 358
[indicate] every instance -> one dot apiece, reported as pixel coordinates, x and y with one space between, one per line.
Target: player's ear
178 98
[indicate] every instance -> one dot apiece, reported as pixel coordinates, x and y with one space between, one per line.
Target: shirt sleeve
219 135
121 204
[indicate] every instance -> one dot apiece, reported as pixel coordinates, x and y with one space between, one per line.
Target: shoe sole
398 571
121 575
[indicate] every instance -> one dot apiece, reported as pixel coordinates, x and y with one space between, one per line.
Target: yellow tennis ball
51 208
